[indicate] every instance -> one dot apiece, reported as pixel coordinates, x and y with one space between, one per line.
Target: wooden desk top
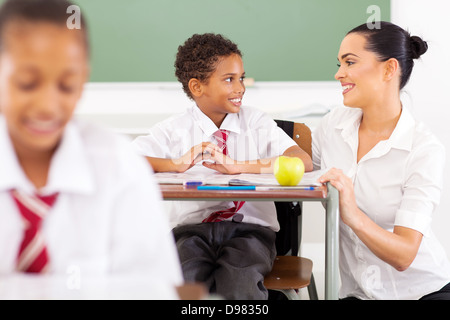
178 192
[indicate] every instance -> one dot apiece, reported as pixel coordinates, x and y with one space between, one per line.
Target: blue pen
192 183
252 188
285 188
226 188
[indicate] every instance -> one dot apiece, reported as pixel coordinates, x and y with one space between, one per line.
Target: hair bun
418 46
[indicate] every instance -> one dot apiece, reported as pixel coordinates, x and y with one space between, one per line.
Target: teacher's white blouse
398 182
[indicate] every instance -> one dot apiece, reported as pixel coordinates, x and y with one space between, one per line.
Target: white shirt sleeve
272 141
155 144
422 186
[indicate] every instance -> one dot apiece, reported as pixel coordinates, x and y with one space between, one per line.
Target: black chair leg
312 291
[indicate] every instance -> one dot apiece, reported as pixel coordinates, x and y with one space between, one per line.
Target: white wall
429 86
132 108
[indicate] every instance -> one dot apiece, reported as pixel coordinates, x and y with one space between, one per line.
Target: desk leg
332 245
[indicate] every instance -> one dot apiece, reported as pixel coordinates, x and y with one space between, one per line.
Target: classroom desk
327 194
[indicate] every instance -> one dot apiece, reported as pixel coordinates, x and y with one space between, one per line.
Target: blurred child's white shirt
108 218
253 135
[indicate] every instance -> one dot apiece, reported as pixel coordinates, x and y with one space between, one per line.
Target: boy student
71 194
227 245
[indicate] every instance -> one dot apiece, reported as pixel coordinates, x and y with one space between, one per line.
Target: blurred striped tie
33 255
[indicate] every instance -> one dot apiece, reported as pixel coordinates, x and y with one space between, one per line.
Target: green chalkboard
281 40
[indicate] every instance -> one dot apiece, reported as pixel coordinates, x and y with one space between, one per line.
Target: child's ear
196 88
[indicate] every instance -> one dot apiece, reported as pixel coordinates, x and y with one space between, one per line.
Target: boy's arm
227 165
163 165
296 151
185 162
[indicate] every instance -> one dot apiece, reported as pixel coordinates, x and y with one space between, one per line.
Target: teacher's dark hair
391 41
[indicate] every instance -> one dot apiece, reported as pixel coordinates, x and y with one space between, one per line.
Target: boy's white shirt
253 135
108 218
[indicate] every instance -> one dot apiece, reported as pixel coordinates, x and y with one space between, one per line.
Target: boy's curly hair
198 56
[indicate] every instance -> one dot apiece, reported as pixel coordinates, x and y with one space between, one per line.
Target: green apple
288 170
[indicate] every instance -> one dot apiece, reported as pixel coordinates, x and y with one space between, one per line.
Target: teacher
388 169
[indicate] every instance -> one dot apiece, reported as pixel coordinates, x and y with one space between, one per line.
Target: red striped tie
221 138
33 255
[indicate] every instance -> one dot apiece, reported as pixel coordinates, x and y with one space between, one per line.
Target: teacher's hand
347 203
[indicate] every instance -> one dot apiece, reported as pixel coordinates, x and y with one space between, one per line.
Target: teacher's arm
398 248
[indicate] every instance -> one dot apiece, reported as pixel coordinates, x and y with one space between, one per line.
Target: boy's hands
200 152
196 154
222 163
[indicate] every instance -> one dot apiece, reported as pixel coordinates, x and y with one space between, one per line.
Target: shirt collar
401 137
349 126
70 171
403 134
11 174
351 123
230 123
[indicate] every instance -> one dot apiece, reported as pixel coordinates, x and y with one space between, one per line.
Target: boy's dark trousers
228 257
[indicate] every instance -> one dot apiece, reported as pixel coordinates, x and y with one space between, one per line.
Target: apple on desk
288 170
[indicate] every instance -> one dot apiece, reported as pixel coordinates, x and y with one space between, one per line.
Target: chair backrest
299 132
302 135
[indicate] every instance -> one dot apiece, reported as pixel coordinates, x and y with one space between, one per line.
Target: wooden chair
291 272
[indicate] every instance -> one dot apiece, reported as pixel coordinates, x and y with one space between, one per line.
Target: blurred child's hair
52 11
197 58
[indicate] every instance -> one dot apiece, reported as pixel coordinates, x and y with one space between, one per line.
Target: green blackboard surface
281 40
